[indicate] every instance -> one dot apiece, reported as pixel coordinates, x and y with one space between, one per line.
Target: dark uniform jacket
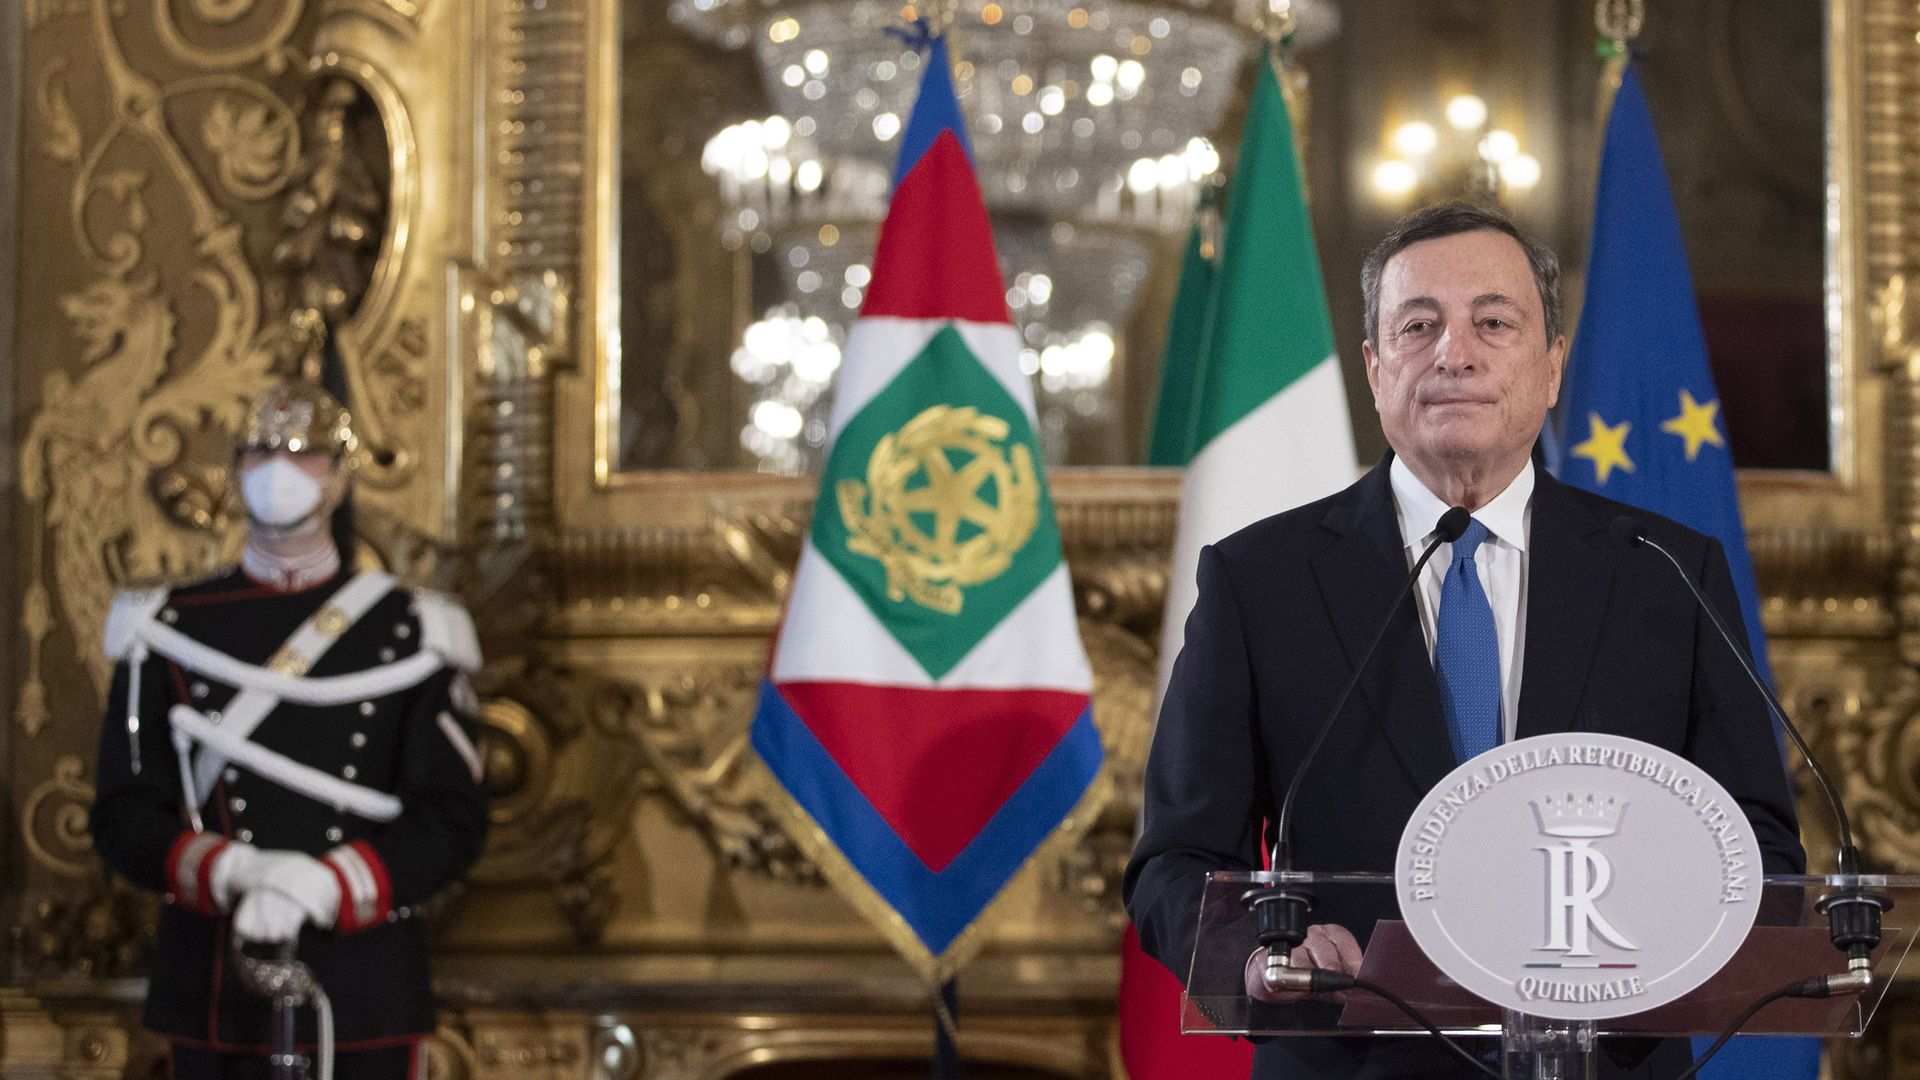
415 742
1613 644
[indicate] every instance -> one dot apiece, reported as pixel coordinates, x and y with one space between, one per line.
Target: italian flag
1252 403
1266 414
927 716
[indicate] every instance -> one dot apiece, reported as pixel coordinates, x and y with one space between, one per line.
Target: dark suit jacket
1286 607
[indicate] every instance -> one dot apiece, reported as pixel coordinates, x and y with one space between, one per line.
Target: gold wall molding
181 158
39 1042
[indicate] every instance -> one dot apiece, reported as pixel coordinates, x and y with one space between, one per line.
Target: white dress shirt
1501 560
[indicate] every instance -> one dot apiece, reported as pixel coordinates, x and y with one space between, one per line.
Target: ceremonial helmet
297 413
301 414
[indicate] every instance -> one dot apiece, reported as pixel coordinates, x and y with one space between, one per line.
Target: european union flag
1642 421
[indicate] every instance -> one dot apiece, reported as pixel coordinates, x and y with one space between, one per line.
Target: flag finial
1277 22
1619 22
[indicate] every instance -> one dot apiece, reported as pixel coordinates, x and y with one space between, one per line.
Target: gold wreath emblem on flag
950 456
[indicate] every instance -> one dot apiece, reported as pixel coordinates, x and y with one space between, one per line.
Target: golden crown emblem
946 504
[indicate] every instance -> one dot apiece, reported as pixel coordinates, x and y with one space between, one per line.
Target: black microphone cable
1326 982
1819 986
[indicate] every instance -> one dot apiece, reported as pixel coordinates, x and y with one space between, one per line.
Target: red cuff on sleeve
190 869
366 893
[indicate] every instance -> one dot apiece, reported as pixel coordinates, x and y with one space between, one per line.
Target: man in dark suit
1536 620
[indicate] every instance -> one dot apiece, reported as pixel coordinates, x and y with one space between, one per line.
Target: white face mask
278 494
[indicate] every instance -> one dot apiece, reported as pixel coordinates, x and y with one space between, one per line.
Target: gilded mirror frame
1842 509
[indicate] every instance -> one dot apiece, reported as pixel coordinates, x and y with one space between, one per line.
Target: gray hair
1449 219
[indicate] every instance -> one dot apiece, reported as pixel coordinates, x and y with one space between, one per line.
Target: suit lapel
1569 577
1360 577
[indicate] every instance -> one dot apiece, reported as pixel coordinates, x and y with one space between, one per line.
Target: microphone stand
1280 910
1853 911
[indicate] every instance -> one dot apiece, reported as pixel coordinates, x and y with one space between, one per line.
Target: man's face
290 490
1462 372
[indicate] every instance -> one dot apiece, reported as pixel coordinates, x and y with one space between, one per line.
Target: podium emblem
1578 873
1579 876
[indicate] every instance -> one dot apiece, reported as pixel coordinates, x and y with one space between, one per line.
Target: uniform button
334 834
358 740
239 805
402 631
366 708
231 775
214 715
349 772
168 615
386 656
199 690
246 836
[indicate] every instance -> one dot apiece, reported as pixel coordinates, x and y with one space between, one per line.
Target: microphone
1280 912
1853 913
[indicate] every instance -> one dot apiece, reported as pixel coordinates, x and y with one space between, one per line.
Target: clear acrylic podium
1788 942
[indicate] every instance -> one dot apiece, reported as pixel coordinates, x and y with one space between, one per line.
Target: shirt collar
1419 509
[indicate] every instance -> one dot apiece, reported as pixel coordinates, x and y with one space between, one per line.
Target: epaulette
132 609
447 630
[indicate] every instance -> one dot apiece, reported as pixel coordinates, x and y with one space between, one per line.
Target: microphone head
1453 523
1627 529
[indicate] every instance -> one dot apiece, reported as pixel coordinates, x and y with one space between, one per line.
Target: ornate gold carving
268 48
62 139
55 819
36 620
86 1045
1124 671
336 219
253 144
95 926
561 780
1878 743
450 1055
534 1046
110 456
694 731
41 12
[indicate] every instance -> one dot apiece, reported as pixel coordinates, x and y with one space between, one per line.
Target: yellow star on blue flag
1695 424
1606 447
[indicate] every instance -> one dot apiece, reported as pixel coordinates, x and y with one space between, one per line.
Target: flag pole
946 1032
940 18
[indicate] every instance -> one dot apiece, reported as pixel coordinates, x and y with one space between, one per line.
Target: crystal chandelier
1088 122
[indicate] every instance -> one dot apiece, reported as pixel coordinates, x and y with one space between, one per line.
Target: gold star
1606 447
1695 424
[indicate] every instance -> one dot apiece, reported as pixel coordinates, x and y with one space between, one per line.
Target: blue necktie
1466 653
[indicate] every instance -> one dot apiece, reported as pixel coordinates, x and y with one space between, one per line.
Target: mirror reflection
756 143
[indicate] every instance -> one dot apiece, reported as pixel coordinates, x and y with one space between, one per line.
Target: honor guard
288 757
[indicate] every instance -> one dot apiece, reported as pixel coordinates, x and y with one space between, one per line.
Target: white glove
307 882
266 916
242 869
236 871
